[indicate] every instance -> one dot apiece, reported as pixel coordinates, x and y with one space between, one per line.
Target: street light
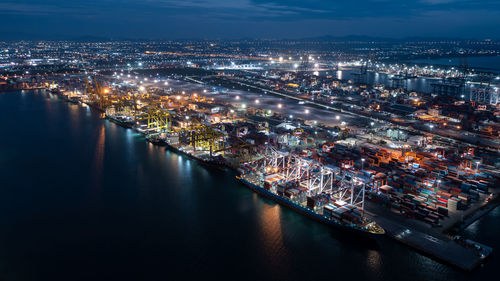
362 163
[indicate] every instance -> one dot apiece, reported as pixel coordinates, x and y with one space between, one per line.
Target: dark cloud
256 18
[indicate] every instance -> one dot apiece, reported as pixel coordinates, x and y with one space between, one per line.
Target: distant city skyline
234 19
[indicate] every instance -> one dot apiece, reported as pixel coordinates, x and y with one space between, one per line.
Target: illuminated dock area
466 255
333 172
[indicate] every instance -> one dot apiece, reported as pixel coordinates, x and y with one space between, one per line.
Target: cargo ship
329 213
122 121
156 140
215 162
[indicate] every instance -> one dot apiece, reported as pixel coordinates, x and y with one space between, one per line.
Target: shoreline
417 241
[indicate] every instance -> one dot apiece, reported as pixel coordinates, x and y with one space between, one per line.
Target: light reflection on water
339 74
74 115
275 252
374 260
270 224
98 160
158 213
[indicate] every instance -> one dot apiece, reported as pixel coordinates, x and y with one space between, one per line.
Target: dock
466 256
417 190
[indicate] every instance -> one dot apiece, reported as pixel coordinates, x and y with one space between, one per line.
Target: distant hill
18 36
362 38
330 38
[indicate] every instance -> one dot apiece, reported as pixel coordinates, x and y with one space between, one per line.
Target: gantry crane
237 147
204 137
158 119
97 94
207 138
123 104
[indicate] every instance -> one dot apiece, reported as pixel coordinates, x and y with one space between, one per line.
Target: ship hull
126 124
309 213
206 163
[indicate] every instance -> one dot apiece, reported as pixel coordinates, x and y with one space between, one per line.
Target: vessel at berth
327 214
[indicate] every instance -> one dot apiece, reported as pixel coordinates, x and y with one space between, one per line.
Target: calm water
421 84
490 63
84 199
374 78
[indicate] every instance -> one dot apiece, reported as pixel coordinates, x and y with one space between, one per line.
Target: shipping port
382 151
412 188
249 140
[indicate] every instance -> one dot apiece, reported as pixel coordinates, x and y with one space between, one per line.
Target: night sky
178 19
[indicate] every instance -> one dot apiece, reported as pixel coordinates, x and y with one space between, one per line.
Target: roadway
288 105
473 140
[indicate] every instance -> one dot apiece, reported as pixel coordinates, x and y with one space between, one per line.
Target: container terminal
373 180
381 149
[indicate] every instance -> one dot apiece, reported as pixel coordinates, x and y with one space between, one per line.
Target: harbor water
420 84
483 63
84 199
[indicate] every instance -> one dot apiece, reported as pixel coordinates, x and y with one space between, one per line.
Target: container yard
268 140
412 187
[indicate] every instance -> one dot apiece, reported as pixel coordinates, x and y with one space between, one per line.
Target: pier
466 256
463 254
